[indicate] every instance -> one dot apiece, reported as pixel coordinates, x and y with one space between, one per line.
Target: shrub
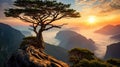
78 54
114 61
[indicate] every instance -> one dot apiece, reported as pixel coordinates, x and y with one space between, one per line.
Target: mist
101 41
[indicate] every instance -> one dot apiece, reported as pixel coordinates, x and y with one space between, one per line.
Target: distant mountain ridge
109 30
10 40
26 33
70 39
58 52
116 37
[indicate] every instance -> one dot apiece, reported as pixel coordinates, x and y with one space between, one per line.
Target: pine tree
41 14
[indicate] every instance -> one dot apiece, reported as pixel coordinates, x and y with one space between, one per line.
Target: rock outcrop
113 51
70 39
32 57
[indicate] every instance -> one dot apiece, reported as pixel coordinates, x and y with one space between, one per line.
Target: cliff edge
32 57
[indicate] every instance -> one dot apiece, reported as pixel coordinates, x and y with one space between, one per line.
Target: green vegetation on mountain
84 58
114 61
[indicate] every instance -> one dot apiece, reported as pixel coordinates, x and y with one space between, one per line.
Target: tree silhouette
41 14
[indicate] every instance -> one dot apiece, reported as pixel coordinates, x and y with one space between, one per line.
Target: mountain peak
109 30
71 39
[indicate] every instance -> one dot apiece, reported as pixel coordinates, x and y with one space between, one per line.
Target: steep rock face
70 39
113 51
32 57
10 39
109 30
57 52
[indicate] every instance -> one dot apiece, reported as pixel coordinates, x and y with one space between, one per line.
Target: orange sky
102 10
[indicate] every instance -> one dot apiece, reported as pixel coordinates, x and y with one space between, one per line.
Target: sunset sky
93 13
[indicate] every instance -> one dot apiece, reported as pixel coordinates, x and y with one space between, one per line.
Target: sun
91 19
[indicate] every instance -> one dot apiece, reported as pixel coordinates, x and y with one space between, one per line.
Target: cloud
109 6
104 6
85 2
115 4
3 5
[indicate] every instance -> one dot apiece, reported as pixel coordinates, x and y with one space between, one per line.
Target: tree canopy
41 14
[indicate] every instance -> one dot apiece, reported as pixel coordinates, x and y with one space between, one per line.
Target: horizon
102 12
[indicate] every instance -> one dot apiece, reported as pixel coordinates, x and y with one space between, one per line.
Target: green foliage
81 50
41 13
29 38
40 7
78 54
84 58
92 63
27 41
114 61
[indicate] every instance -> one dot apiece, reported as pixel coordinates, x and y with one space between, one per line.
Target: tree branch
24 19
54 26
34 28
60 17
55 15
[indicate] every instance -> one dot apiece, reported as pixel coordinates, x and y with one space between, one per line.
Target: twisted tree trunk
40 41
32 57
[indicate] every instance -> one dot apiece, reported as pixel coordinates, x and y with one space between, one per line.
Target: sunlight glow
91 19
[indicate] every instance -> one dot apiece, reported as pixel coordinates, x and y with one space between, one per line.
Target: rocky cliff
32 57
113 51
